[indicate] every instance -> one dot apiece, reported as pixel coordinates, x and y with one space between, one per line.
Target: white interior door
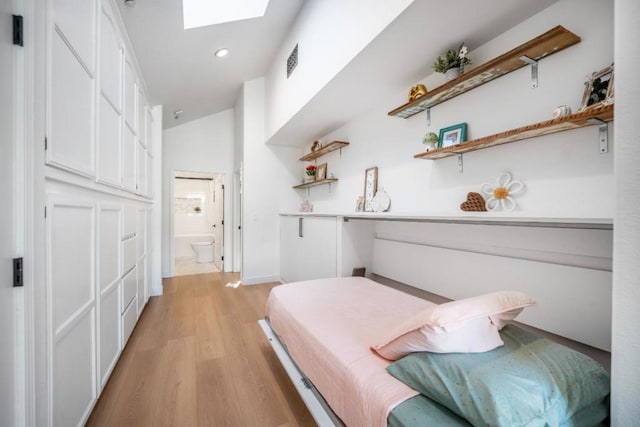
7 296
218 225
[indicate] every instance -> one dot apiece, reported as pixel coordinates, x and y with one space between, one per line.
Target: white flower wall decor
500 196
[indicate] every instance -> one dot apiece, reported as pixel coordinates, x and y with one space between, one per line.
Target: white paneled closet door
71 86
71 307
109 274
110 104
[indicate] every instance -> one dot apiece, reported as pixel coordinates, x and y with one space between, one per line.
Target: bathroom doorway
198 222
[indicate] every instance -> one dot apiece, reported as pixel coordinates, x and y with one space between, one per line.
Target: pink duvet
328 326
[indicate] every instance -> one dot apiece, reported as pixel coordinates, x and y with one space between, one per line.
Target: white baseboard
258 280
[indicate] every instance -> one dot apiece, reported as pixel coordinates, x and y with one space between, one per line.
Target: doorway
198 222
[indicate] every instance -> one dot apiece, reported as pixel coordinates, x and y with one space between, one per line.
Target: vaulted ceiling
182 73
179 65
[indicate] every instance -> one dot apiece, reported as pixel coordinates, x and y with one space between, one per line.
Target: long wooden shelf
332 146
561 124
318 182
553 41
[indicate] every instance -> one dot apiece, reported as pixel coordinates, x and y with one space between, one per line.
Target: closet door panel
149 188
130 221
129 319
71 306
129 160
109 331
109 145
129 288
129 254
142 281
71 111
142 117
74 388
76 19
109 246
111 54
130 89
141 231
71 259
149 130
141 170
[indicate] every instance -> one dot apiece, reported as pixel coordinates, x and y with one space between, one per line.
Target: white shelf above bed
481 218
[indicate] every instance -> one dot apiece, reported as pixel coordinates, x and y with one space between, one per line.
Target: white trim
27 414
260 279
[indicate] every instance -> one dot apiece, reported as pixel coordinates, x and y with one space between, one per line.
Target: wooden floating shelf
318 182
332 146
551 42
561 124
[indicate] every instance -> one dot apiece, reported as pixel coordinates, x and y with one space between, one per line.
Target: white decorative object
452 73
381 201
306 206
561 111
500 196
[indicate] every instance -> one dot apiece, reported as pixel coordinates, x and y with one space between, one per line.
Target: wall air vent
292 61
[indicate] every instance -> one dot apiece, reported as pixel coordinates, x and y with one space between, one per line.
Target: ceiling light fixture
220 53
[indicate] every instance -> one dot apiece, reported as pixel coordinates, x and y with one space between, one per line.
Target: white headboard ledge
573 302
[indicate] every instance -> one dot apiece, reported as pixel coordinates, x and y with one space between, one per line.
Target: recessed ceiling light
222 52
200 13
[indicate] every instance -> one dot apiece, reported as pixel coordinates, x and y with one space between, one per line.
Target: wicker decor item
474 203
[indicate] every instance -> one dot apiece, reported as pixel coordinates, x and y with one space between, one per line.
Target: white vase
309 178
451 73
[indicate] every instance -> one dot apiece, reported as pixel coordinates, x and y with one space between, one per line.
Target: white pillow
468 325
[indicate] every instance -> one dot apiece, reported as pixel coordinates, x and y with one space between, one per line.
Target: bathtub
183 249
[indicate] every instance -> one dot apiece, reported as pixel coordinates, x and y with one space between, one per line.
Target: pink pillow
468 325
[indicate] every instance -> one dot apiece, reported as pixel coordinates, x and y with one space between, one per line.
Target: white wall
238 154
267 170
203 145
329 34
156 189
625 400
564 173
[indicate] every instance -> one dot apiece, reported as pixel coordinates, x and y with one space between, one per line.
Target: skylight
200 13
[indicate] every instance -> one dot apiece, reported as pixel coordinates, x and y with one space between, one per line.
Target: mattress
328 327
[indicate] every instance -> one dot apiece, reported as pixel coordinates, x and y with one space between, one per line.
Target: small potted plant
310 170
452 65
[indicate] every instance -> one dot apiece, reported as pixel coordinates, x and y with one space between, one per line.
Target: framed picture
370 187
321 173
452 135
598 89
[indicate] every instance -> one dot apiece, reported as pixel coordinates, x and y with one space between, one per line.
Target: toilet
204 251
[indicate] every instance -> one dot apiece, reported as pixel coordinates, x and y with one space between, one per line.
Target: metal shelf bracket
534 69
428 110
603 133
460 163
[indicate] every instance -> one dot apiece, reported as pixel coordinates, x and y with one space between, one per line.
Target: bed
331 334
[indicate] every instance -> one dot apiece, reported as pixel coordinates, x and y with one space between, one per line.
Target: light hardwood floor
198 358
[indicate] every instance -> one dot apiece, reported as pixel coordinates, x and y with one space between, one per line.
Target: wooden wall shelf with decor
553 41
597 116
332 146
318 182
